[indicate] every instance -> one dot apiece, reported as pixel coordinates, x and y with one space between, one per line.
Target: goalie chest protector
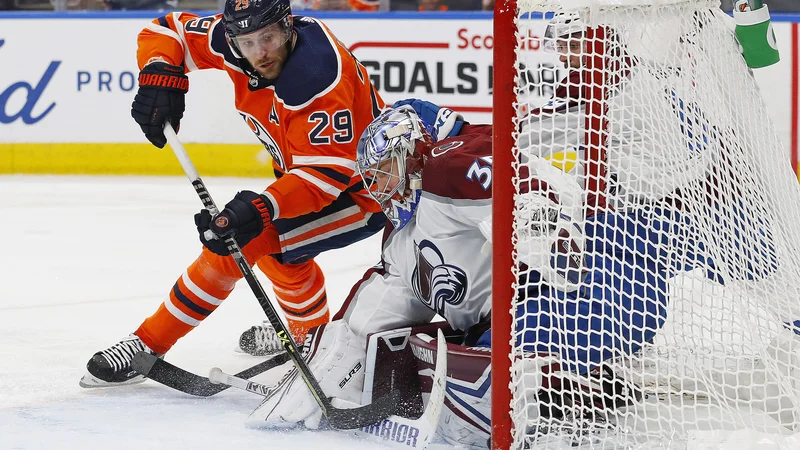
438 254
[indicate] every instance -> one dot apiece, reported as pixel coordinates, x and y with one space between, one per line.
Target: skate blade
239 351
89 381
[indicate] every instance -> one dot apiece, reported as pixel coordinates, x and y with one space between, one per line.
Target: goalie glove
443 122
549 224
336 357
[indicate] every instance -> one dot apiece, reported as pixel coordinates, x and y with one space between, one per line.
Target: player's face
266 49
570 52
385 178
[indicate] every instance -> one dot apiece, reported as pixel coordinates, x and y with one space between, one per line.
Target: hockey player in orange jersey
307 99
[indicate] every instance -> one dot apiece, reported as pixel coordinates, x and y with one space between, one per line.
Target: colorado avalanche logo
435 283
263 135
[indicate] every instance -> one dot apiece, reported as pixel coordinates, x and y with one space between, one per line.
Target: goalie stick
395 430
337 417
172 376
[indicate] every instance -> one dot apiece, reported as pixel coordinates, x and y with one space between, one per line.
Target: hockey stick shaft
216 375
176 378
336 417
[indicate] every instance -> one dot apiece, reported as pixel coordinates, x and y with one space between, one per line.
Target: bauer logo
390 430
30 111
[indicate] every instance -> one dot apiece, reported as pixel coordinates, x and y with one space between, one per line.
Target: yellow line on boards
239 160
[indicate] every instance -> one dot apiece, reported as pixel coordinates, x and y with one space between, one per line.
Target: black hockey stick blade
169 375
352 418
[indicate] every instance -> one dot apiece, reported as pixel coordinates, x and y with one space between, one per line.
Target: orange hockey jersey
309 119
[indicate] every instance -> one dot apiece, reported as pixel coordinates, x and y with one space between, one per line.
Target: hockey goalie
596 283
437 192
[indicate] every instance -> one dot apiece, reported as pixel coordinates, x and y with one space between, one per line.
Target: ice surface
83 261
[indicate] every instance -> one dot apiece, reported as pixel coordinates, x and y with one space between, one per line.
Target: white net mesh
685 287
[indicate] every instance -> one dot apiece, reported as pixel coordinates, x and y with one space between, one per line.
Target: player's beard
278 62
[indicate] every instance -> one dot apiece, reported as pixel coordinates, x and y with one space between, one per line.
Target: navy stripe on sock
188 303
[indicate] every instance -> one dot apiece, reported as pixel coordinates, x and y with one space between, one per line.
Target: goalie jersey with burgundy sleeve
434 264
309 119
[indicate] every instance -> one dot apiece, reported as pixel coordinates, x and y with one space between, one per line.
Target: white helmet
400 136
561 26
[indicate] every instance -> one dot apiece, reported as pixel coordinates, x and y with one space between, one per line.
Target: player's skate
260 340
112 366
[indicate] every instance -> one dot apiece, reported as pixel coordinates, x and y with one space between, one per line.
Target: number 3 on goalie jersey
342 122
480 172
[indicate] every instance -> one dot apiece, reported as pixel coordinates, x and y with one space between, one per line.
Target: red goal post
505 111
503 191
675 138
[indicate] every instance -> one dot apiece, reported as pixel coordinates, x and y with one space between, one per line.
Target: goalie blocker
405 359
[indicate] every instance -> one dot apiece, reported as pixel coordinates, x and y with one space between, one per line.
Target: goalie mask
390 159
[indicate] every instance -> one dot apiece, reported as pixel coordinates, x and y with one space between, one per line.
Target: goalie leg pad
550 391
390 365
336 358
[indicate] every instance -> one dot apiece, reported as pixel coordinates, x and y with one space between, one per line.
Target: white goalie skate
260 340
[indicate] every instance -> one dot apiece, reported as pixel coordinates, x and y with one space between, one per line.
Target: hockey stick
337 417
172 376
395 430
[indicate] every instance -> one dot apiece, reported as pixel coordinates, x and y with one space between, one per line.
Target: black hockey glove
244 218
162 88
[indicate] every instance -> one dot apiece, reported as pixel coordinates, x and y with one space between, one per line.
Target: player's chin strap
337 418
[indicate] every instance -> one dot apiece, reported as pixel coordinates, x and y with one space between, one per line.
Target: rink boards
65 97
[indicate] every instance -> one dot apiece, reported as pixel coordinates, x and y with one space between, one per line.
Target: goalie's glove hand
337 360
549 224
162 88
445 122
244 218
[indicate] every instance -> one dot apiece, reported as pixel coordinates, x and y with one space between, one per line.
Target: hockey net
691 219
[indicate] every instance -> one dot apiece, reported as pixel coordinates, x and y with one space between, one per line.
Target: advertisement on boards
78 90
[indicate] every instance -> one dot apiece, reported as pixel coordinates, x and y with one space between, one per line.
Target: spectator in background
130 5
335 5
487 5
302 5
431 5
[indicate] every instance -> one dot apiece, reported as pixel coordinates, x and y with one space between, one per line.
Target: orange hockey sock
300 290
196 294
